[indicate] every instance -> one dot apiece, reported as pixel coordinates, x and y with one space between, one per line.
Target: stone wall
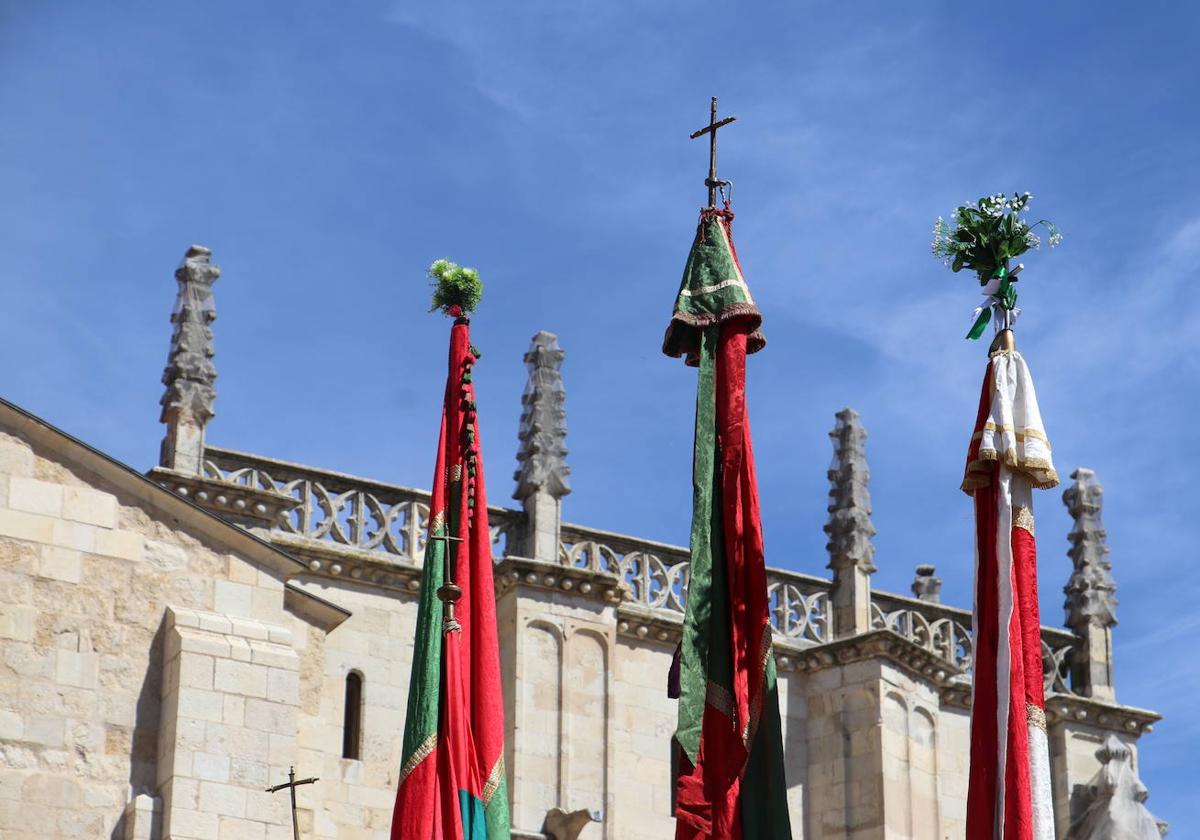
86 576
354 798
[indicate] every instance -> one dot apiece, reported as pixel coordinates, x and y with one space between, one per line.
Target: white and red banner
1008 796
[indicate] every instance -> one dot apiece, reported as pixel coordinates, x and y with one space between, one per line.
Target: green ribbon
981 323
1006 296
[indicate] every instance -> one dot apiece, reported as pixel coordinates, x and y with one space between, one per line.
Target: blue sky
329 152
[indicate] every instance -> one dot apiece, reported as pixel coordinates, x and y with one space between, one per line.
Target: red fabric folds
708 794
470 709
1008 687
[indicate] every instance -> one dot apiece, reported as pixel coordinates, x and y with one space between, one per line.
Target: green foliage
983 237
454 285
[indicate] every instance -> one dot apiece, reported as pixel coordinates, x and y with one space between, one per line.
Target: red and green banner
731 779
452 779
1008 793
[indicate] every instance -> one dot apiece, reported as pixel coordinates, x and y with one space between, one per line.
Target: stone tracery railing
389 522
943 635
332 508
657 577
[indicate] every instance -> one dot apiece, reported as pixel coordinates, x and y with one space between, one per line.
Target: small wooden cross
711 130
292 784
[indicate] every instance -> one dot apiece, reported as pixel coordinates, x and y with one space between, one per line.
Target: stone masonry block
276 656
12 727
183 824
248 629
83 504
56 563
225 800
17 621
195 670
233 599
283 686
16 457
33 496
200 704
126 545
210 767
26 526
77 669
241 678
233 828
77 535
276 718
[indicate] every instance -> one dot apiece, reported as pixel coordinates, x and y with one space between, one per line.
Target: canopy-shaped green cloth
712 291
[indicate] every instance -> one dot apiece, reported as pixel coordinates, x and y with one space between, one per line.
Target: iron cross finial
291 784
711 130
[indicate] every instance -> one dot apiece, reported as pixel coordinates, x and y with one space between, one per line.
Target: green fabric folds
424 691
712 291
705 655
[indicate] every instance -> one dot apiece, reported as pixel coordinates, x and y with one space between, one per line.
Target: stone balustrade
334 515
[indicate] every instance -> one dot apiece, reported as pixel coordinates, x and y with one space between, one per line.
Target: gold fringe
1039 471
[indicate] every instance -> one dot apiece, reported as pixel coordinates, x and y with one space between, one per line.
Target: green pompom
454 285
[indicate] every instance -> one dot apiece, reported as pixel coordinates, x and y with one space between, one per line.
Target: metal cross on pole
711 130
292 784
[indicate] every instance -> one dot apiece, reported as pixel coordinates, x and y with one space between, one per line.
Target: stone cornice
347 564
1071 709
526 573
238 502
877 644
1068 709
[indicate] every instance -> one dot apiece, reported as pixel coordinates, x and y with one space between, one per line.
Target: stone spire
187 404
543 432
542 477
851 555
1091 604
926 586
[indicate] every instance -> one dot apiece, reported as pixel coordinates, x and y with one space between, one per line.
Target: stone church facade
172 642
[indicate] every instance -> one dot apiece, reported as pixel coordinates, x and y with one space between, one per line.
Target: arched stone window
352 726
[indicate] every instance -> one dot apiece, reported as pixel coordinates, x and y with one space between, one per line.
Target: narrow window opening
352 729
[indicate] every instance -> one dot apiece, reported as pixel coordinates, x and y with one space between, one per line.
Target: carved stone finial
1091 590
851 555
849 526
1116 801
561 825
542 453
1091 604
926 586
187 403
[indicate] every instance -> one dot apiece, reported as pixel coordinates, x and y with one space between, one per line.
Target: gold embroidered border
493 781
989 426
1023 519
419 754
437 523
456 472
1041 472
1036 716
719 698
756 707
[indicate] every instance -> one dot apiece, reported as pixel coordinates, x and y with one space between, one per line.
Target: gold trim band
419 754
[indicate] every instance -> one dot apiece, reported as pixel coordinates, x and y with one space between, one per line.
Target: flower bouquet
984 237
